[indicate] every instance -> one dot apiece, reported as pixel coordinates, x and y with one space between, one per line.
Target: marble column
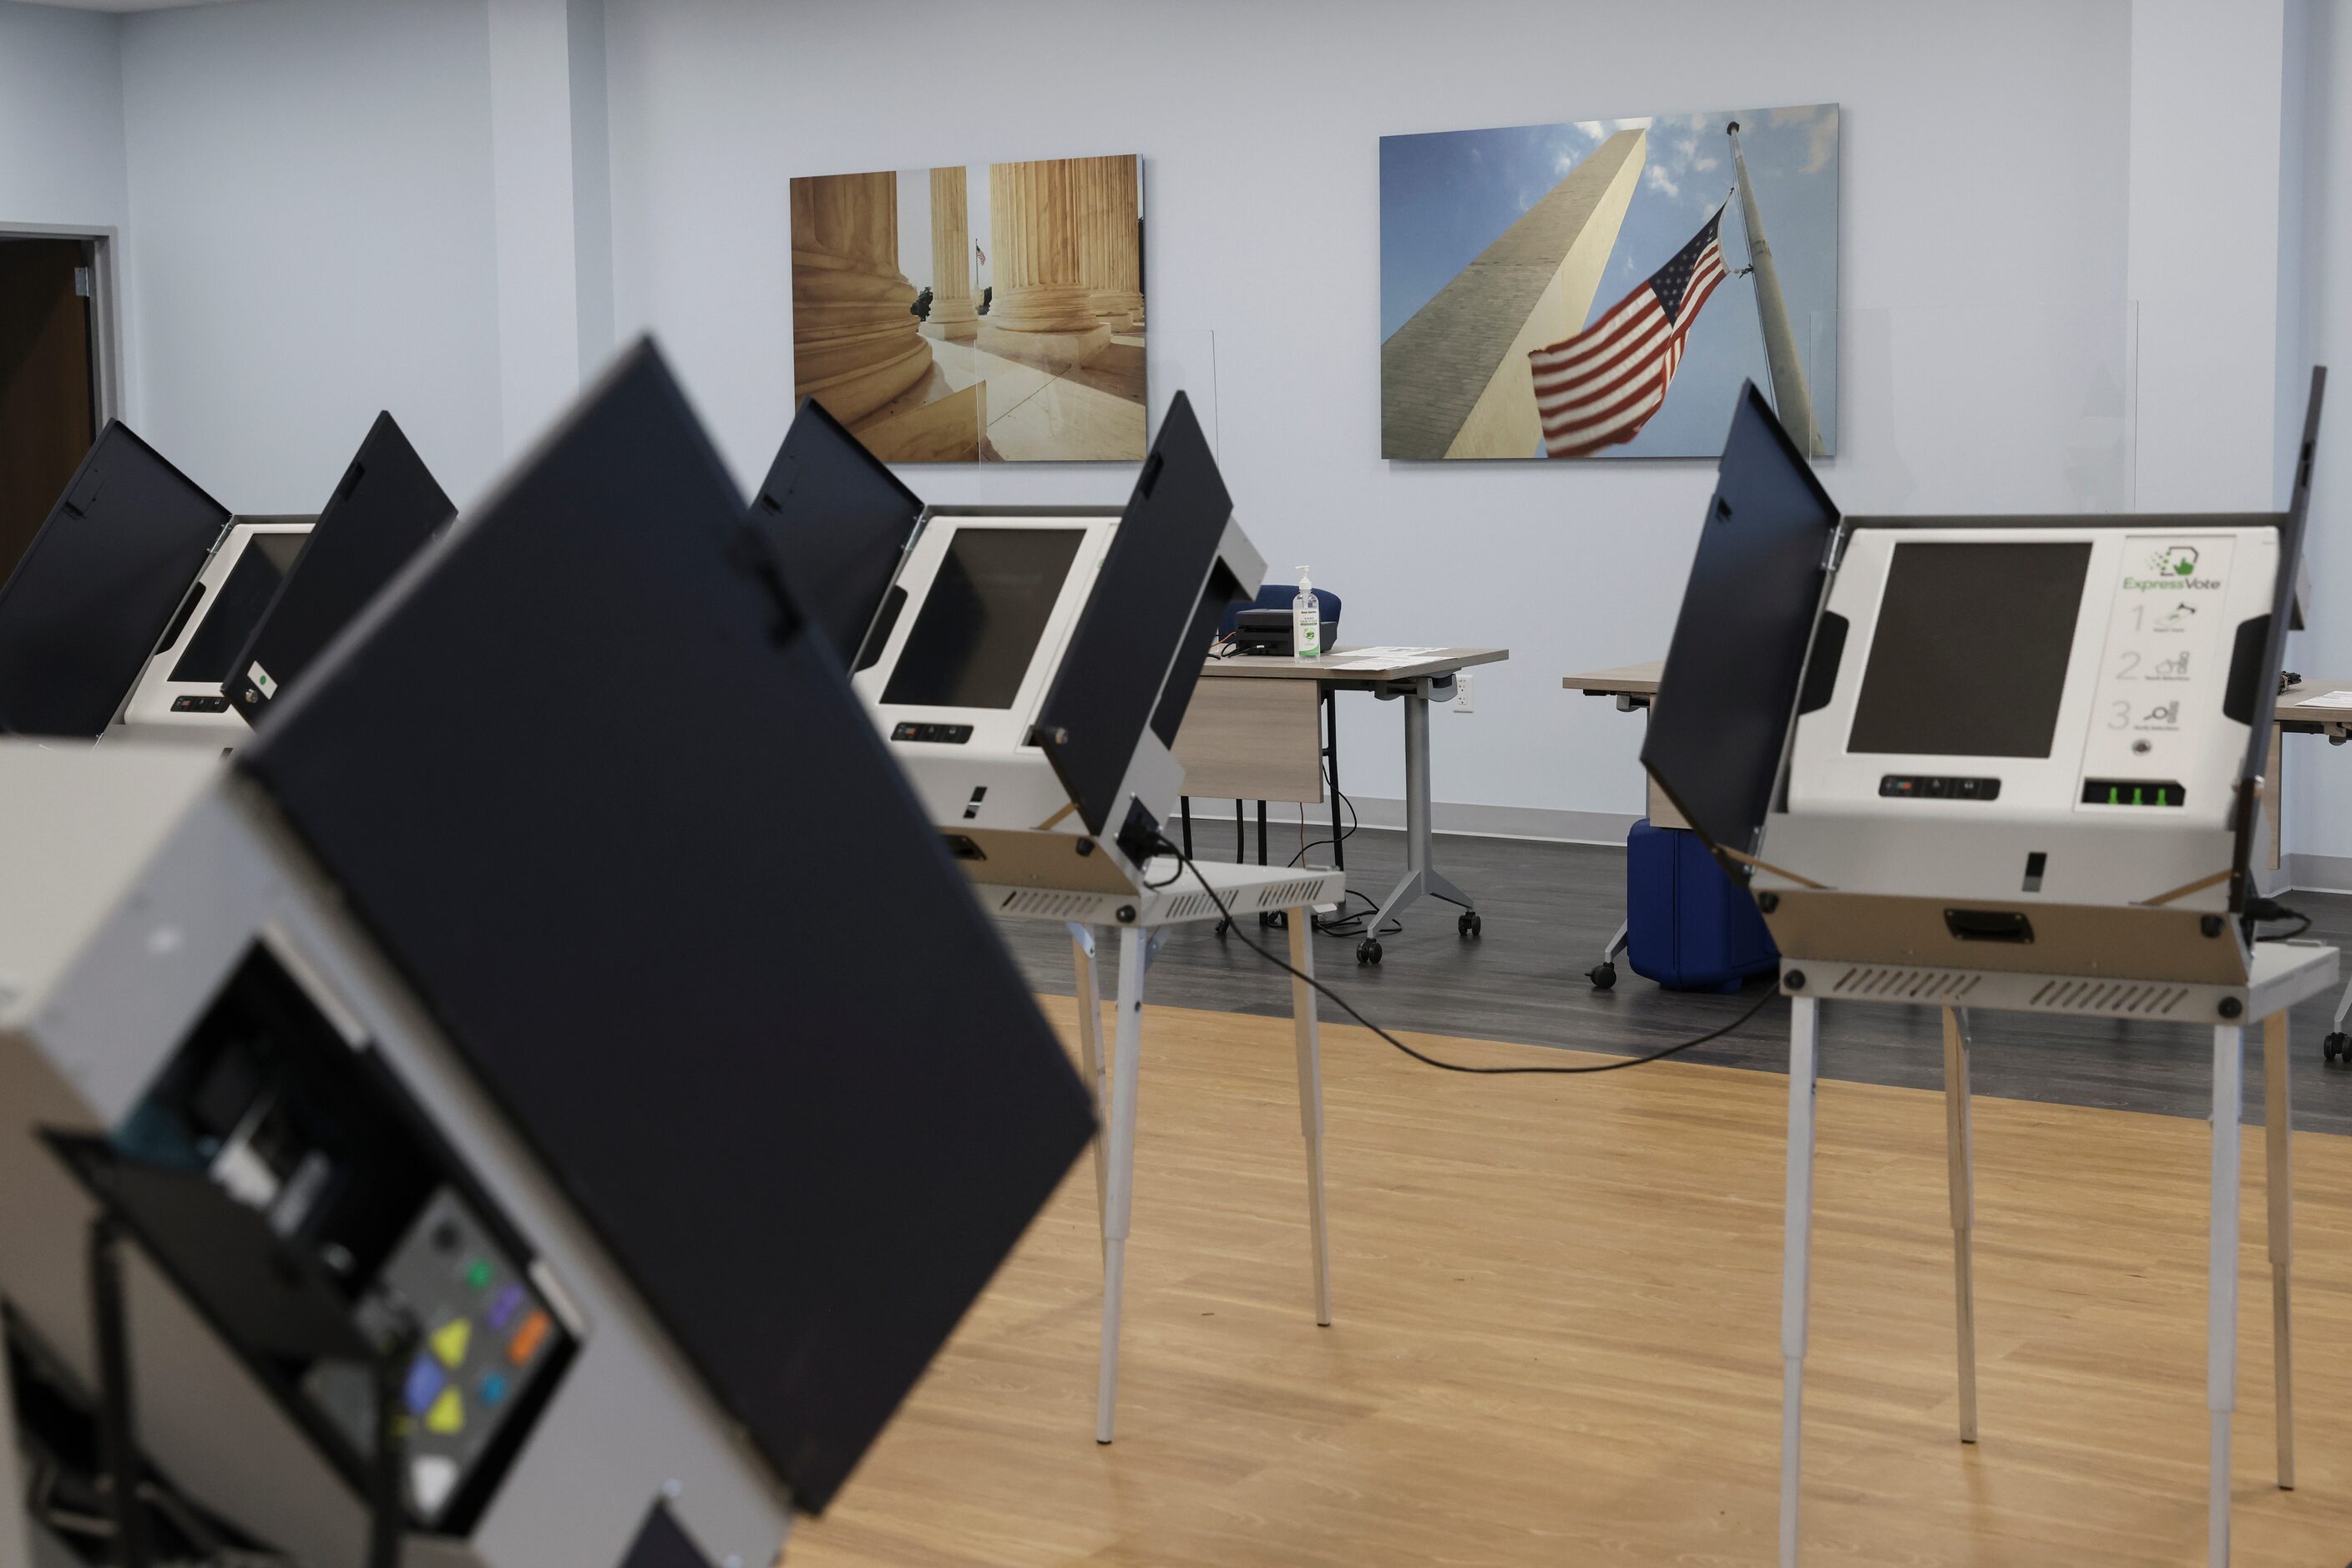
954 312
1042 311
1115 266
856 343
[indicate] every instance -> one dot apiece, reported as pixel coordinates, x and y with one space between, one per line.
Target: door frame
105 321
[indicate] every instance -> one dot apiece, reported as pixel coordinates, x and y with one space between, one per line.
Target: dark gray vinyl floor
1549 909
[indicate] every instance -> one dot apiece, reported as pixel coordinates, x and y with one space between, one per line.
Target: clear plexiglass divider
1991 408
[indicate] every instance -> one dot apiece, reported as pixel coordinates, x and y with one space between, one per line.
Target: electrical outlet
1464 700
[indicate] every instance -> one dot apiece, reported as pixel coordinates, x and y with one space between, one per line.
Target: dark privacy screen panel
384 510
619 820
87 604
2290 538
1738 650
1142 612
839 521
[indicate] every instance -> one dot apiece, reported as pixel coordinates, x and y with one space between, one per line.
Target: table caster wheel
1469 924
1367 950
1602 975
1222 927
2337 1044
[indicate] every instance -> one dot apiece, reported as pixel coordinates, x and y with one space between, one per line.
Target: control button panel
200 704
2133 792
942 734
1928 786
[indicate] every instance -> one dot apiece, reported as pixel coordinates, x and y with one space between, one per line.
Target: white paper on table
2327 699
1378 657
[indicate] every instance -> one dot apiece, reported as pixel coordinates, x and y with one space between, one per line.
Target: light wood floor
1556 1306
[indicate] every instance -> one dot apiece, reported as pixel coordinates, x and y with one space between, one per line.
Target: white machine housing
140 878
981 771
179 696
2067 786
976 765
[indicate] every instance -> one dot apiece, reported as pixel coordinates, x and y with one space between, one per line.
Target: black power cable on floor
1345 1007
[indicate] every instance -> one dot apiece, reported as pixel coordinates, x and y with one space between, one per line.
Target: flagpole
1790 398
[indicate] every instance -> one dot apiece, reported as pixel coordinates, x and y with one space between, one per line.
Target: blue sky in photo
1447 195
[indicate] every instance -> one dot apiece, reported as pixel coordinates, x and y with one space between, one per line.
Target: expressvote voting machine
2006 744
179 695
386 509
2012 764
1029 665
98 588
458 1124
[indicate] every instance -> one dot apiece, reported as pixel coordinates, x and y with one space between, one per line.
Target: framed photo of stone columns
982 312
1602 288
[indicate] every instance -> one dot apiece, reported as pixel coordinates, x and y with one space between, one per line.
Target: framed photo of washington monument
1601 288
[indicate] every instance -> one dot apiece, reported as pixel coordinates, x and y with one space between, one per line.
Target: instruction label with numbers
2164 667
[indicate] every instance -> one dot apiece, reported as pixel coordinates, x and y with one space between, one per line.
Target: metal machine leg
1796 1259
1090 1052
2279 1187
1310 1102
1960 1152
2221 1284
1119 1193
1420 876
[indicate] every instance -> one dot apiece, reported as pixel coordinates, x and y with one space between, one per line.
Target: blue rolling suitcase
1687 927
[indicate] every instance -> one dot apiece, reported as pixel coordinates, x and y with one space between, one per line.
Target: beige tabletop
1410 664
1623 680
1642 680
2291 711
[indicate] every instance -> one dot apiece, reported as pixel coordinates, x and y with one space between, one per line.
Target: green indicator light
478 1276
2159 798
2115 794
2135 799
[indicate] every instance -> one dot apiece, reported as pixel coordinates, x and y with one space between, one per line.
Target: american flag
1600 387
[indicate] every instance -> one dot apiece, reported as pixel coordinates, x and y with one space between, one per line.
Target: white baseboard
2318 873
2303 873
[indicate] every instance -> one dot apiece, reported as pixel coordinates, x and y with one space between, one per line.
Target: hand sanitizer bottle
1305 621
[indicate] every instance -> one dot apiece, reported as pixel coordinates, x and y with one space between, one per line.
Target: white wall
2204 245
312 240
331 206
2319 776
1984 162
61 162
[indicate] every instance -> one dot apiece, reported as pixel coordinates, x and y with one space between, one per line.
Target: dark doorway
49 384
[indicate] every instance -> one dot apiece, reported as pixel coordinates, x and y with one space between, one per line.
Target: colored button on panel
431 1478
448 1416
529 1337
504 1306
450 1341
493 1388
479 1275
425 1383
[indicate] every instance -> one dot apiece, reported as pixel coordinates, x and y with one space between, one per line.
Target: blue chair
1281 596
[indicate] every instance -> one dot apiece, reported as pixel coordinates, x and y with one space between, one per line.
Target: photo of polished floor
1043 411
1557 1301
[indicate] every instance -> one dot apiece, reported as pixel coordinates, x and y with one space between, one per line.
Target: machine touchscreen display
978 629
1970 656
244 598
